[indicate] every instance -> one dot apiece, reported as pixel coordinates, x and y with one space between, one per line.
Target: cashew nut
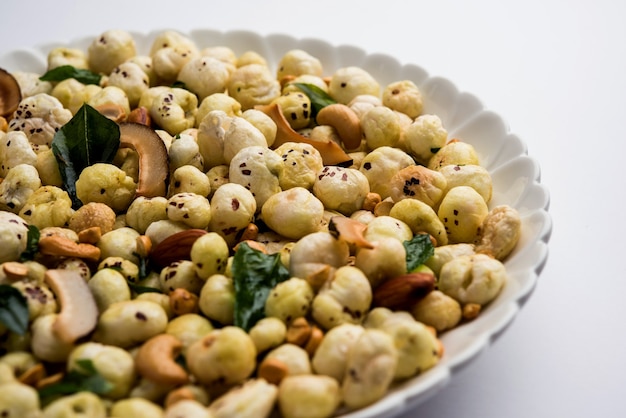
345 121
65 247
253 399
500 232
156 360
79 312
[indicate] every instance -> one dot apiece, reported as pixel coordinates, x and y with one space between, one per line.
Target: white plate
515 175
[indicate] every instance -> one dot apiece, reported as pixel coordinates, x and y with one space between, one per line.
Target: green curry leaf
319 98
83 378
88 138
64 72
32 244
13 309
418 250
254 274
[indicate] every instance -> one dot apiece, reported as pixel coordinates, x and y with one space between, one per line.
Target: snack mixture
190 233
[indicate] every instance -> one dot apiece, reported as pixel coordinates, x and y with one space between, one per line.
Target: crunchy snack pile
190 233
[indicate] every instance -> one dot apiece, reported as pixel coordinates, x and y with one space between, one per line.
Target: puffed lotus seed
343 299
293 213
114 364
226 356
128 323
462 212
217 299
370 368
87 402
308 395
209 254
474 278
289 300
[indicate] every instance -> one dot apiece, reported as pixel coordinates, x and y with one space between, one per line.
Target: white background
556 72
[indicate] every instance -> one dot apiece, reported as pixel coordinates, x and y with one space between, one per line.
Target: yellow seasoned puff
417 346
345 298
301 163
114 364
210 254
468 175
308 395
173 109
420 218
127 323
47 206
226 355
289 300
462 212
61 55
438 310
296 106
476 278
145 210
454 152
105 183
88 402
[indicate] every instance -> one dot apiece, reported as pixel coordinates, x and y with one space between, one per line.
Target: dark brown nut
403 291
